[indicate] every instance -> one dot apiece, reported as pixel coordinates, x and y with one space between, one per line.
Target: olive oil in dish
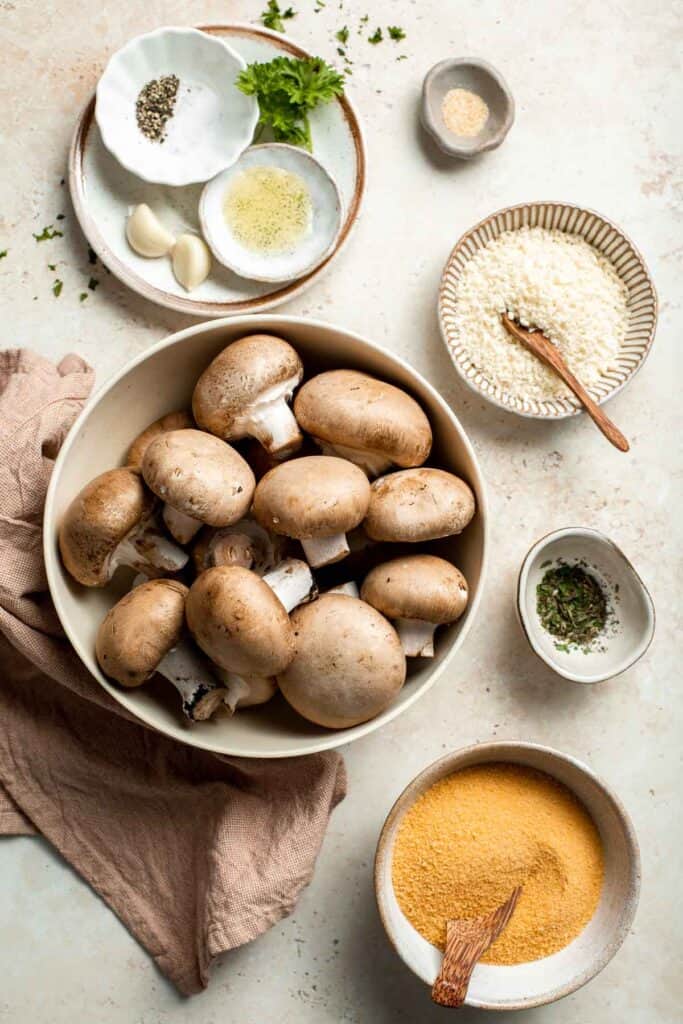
268 209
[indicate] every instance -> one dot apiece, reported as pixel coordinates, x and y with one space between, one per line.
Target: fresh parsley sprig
287 89
273 17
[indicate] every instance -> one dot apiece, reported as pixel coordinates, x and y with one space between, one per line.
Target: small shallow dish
632 615
608 239
476 76
310 251
212 122
523 986
161 379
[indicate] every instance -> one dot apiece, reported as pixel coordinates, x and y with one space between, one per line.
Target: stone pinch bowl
476 76
523 986
632 626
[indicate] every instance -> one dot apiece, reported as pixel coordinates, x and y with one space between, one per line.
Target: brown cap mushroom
171 421
200 478
245 390
143 634
239 622
246 543
315 499
348 664
111 523
365 420
418 505
419 592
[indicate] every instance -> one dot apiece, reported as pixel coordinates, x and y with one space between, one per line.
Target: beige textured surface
599 132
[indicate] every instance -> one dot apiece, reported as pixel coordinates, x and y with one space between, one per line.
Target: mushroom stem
181 526
321 551
146 550
245 691
271 421
372 463
292 582
417 637
188 671
349 589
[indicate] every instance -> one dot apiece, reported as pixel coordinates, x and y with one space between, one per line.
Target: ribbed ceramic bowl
607 239
523 986
162 379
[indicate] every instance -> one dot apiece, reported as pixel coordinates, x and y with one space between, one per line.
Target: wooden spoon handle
600 419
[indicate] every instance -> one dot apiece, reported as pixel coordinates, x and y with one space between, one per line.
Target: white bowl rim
495 750
534 550
171 180
614 391
253 320
301 154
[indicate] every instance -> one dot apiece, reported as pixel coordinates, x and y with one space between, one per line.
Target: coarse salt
550 280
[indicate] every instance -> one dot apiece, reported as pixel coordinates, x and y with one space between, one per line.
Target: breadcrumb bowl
612 243
523 986
162 379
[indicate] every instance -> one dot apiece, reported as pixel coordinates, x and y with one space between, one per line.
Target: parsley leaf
57 288
273 17
286 90
396 33
342 35
83 296
3 253
47 233
376 37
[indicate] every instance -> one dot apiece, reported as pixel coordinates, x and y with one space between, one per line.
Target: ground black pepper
155 105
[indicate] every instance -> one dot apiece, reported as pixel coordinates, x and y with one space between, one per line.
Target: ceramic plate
103 191
608 239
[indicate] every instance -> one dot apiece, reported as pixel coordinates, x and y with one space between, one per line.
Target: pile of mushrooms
224 512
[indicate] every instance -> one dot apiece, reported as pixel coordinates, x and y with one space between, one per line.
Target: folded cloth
196 853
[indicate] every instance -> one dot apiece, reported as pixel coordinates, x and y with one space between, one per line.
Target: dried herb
93 283
342 36
92 256
155 105
60 216
571 606
83 296
396 33
48 233
52 266
3 253
376 37
273 17
57 288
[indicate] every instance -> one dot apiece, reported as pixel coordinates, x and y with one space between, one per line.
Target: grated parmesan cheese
550 280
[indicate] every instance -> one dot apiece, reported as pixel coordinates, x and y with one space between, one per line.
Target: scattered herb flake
376 37
83 296
3 253
403 56
52 266
92 256
341 51
273 17
342 36
47 233
57 288
93 283
396 33
319 4
60 216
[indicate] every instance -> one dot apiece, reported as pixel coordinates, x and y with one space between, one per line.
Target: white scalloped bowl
314 247
213 121
609 240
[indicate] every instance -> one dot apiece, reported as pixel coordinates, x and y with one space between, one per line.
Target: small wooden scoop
544 350
466 943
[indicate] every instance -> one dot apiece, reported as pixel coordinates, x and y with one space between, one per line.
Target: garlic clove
146 234
191 261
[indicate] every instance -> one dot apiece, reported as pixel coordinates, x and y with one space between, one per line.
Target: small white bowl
477 76
632 620
213 121
523 986
313 248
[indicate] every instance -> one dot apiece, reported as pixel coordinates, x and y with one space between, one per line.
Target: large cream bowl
162 379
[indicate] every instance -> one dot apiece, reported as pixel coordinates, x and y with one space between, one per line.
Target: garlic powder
551 280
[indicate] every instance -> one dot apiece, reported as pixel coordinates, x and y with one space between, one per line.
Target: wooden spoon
548 353
466 943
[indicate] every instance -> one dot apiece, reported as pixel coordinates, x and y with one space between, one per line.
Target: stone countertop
598 98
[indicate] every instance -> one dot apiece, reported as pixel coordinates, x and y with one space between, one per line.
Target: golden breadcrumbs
472 837
463 112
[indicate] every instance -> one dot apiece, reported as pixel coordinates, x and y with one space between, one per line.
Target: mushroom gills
246 543
201 694
322 551
245 691
416 636
146 550
271 421
181 526
372 463
292 583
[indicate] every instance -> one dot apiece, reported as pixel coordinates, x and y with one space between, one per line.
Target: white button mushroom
146 234
191 261
315 499
365 420
348 664
143 634
418 505
419 593
246 544
200 478
245 390
111 523
180 420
